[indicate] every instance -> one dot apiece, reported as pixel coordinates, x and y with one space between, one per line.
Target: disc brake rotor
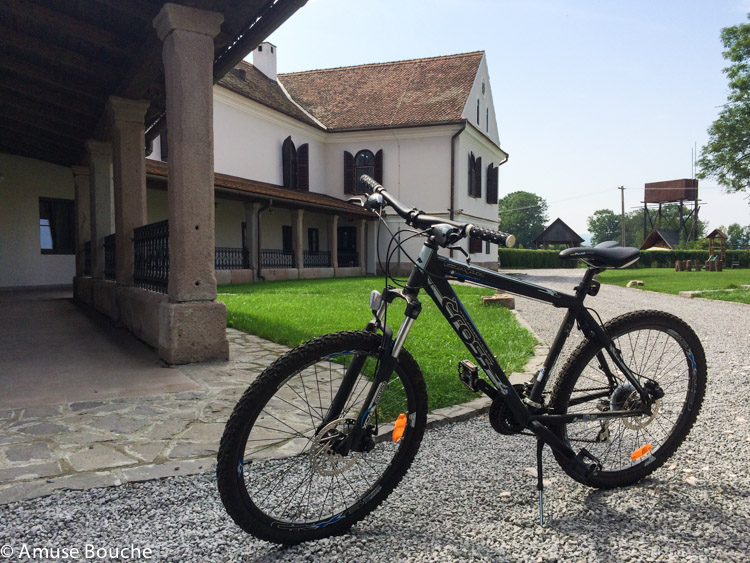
323 457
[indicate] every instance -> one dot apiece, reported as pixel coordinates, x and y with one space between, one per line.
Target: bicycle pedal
468 373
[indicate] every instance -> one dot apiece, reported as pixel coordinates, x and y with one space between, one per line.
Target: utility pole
622 218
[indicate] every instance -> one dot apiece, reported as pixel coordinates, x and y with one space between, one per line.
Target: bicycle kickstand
539 479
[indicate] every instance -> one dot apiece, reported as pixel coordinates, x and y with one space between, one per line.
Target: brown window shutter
475 246
289 163
303 168
492 183
478 178
379 166
472 173
348 173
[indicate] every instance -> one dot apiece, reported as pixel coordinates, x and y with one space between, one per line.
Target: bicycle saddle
603 255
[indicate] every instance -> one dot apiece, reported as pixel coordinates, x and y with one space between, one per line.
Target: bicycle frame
432 274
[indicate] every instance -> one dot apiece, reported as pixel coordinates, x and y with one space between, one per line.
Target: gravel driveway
470 495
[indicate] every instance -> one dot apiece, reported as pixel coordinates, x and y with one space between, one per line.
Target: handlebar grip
370 183
503 239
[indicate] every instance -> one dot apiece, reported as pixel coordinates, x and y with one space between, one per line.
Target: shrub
522 258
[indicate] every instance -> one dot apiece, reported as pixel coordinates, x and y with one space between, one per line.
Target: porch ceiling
60 62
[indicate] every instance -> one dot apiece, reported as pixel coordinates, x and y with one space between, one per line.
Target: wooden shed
558 233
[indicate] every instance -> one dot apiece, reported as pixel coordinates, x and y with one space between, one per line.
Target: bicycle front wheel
656 347
279 475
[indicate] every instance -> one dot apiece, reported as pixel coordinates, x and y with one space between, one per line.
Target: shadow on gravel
670 516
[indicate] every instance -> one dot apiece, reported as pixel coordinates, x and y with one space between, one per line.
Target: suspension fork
387 357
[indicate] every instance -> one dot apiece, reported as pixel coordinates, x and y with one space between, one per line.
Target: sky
589 95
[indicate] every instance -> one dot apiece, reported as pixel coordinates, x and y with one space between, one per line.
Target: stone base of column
193 332
83 290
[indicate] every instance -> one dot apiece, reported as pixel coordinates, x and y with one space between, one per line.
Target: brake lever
462 251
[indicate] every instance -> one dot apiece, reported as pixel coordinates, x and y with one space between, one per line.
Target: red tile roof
404 93
248 81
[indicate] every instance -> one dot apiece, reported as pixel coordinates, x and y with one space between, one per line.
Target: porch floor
52 352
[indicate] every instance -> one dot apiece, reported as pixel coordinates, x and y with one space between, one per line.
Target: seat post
582 288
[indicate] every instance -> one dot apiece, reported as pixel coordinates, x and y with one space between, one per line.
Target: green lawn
666 280
735 296
291 312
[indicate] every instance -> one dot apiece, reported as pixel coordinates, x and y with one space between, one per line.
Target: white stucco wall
485 103
23 182
248 139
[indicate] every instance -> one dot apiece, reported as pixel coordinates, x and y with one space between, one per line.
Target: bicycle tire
332 492
654 345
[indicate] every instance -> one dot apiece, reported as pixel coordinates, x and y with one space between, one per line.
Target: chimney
264 59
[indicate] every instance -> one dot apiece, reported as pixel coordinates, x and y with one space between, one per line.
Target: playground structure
684 192
715 262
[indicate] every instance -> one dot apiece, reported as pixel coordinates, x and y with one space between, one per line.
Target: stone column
192 324
333 241
128 142
102 203
251 232
83 210
298 237
362 246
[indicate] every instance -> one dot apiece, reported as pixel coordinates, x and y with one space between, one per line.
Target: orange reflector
399 427
640 452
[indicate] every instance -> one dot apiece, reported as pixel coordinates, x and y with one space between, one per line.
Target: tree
604 225
524 215
726 157
738 236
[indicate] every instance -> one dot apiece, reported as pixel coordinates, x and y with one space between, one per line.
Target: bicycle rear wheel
279 476
656 347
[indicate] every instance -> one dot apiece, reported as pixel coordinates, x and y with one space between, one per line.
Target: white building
416 126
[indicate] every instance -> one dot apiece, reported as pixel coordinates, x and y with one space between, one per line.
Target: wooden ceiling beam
139 9
65 57
51 77
62 23
63 137
48 120
23 131
25 89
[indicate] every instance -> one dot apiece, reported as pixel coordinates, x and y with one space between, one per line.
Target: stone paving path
90 444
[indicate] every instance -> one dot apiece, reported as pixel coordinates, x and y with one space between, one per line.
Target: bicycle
327 431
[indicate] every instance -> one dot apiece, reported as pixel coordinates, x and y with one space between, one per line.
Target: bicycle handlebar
421 220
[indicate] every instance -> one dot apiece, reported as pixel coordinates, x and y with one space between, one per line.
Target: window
286 239
477 111
487 119
363 163
475 246
56 226
475 176
313 241
295 166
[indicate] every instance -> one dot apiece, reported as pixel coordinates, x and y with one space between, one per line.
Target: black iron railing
271 259
151 256
320 259
110 263
230 258
87 258
348 259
